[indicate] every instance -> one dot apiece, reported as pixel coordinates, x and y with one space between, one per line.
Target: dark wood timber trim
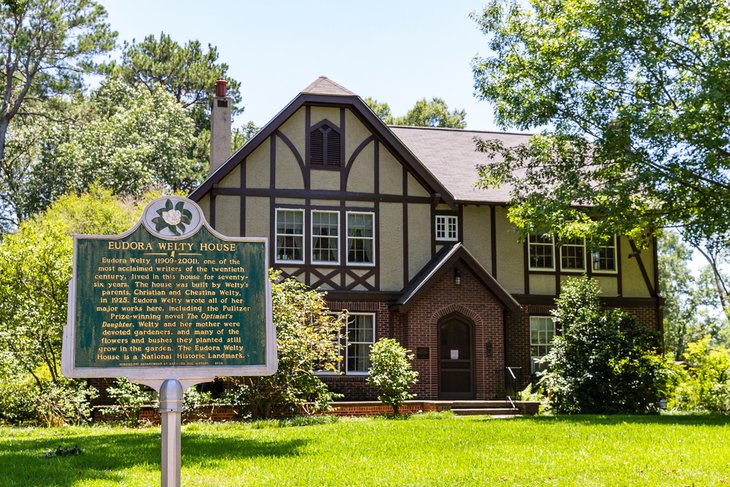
213 193
526 270
619 273
433 230
406 273
272 198
376 188
307 130
343 136
613 301
293 148
386 297
242 211
637 254
326 194
460 220
493 237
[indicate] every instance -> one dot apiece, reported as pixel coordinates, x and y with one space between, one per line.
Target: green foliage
64 401
390 372
307 339
707 382
35 267
425 113
48 45
636 95
692 308
138 140
128 400
603 361
187 72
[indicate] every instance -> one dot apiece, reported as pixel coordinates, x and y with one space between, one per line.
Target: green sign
171 293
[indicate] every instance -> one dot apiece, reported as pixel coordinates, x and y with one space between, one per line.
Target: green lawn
423 451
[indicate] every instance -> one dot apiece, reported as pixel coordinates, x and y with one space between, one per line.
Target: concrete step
492 411
468 404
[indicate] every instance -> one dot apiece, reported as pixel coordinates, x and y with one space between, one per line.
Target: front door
455 360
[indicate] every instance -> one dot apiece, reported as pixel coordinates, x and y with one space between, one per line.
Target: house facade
387 220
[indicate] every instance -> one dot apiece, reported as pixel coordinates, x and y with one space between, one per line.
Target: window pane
572 254
541 252
360 239
289 235
604 259
360 336
325 236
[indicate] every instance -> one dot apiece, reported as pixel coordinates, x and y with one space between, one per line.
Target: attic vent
325 145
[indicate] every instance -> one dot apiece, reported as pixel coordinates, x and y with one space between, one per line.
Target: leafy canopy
425 113
635 95
603 361
47 46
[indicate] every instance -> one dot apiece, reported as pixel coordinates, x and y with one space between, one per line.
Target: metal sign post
169 304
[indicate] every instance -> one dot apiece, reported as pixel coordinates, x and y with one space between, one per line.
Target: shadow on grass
610 419
23 462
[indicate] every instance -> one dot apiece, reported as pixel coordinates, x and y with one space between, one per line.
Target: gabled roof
325 86
451 156
441 263
325 92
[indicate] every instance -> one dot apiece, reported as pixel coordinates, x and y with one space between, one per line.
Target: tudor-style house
387 220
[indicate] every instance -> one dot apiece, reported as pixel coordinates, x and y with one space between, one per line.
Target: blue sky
395 51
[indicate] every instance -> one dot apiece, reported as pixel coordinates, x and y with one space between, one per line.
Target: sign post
170 303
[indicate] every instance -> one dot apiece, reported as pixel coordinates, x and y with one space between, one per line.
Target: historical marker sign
170 298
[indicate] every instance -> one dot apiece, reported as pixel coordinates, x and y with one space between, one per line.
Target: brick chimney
220 127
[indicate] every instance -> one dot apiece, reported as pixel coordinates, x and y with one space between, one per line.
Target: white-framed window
604 258
360 337
289 236
360 238
447 228
542 332
573 255
541 250
325 237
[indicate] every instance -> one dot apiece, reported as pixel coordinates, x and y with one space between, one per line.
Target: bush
390 372
64 402
604 361
706 385
128 400
307 339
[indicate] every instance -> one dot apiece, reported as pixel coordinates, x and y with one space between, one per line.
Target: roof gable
336 97
440 264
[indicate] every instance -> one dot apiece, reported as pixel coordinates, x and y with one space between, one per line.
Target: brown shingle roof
451 156
325 86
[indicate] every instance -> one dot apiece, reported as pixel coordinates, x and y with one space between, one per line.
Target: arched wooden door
456 359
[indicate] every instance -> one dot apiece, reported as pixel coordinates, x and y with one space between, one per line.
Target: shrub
128 400
391 373
706 385
307 339
604 361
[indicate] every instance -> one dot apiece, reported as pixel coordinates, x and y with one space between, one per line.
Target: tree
47 45
133 139
692 308
307 339
391 373
187 72
433 113
35 267
635 97
603 361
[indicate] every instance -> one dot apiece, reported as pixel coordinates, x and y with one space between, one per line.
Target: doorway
456 362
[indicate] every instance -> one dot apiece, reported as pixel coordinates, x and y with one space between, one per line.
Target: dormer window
325 145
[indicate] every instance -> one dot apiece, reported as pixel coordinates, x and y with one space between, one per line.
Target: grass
421 451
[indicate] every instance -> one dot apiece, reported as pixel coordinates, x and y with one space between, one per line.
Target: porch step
485 411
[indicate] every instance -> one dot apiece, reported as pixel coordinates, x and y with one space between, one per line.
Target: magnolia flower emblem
175 217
